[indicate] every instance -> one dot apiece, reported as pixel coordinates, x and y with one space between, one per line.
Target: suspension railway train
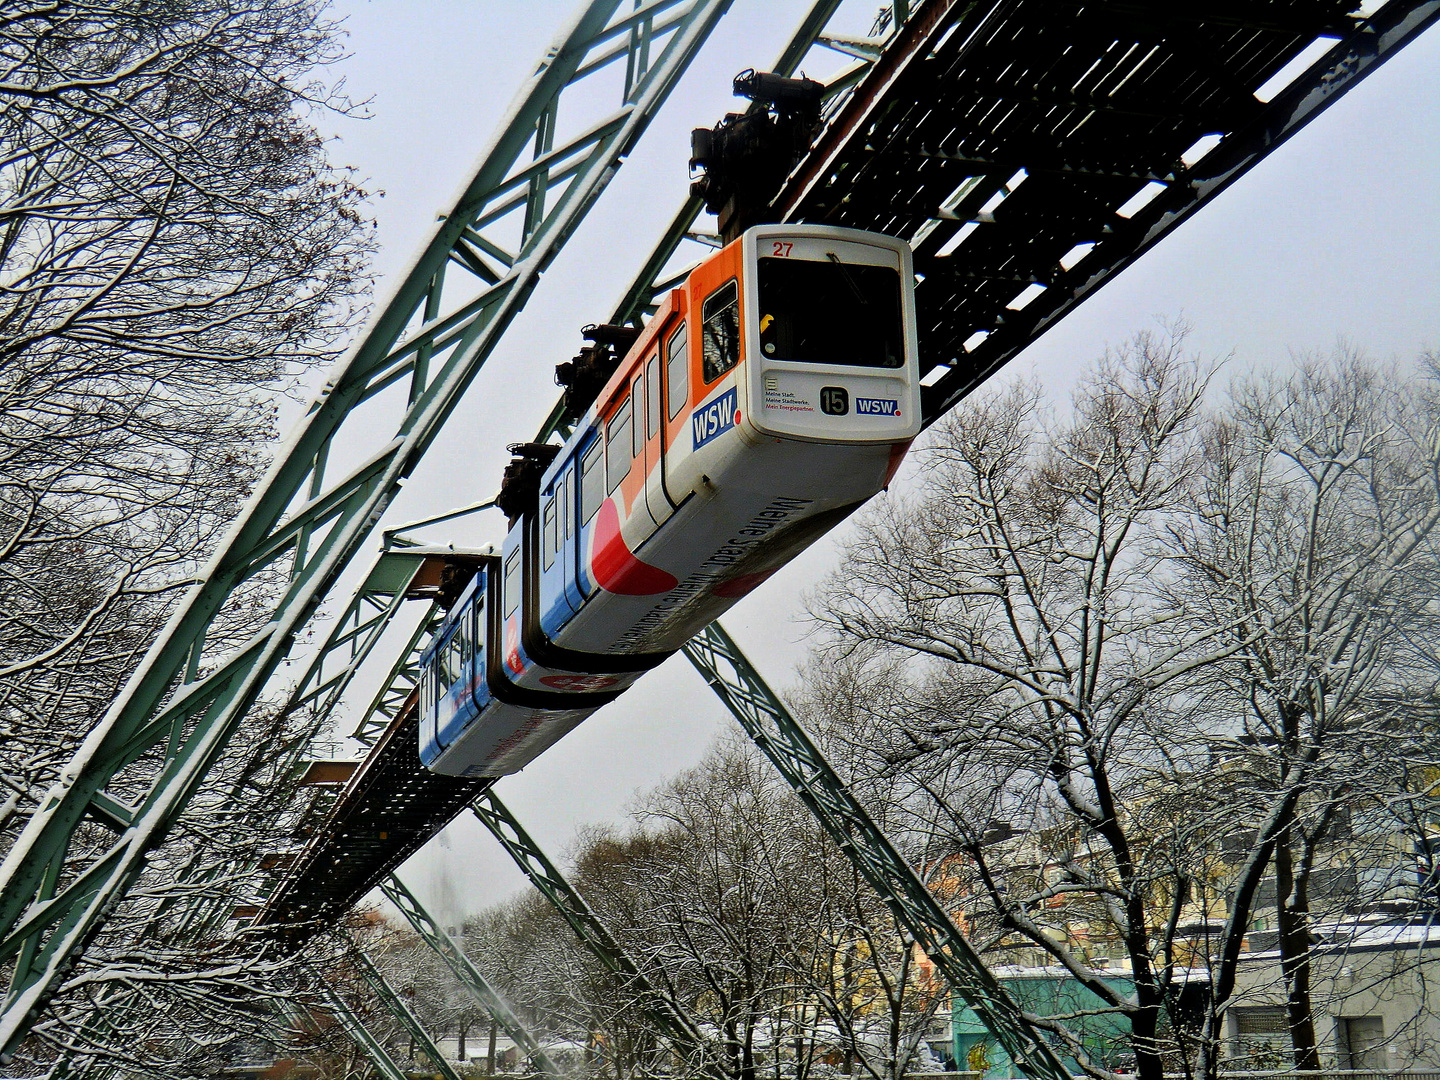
769 397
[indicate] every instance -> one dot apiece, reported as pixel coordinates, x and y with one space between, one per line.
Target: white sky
1337 235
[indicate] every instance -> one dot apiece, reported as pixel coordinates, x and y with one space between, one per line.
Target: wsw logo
876 406
713 420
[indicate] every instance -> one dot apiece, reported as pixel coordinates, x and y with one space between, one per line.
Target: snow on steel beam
318 525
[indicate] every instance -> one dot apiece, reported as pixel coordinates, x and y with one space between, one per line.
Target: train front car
767 399
799 399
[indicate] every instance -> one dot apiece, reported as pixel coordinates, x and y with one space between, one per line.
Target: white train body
768 398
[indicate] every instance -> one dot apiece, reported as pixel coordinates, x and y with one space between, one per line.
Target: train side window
720 335
637 395
457 655
617 445
677 372
447 666
652 397
592 481
549 538
512 583
568 503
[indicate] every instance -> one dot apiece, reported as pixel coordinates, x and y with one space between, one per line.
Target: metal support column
403 1013
781 738
659 1007
485 995
362 1037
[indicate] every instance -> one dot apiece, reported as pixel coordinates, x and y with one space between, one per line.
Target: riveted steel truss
794 754
403 1013
660 1008
404 570
426 345
464 969
362 1036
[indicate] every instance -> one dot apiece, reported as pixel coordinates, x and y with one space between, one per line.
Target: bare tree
734 902
1312 539
1022 578
1047 660
872 983
174 250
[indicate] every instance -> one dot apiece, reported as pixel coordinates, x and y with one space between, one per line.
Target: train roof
618 379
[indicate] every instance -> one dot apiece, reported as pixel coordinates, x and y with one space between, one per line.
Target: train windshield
830 313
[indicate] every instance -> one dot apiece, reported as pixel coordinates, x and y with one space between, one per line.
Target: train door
476 618
556 557
650 381
675 413
591 483
429 707
448 668
569 526
640 520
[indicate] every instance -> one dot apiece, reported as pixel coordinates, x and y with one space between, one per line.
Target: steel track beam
53 899
1365 45
464 969
794 754
658 1006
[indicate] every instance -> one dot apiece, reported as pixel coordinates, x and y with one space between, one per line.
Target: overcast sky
1336 236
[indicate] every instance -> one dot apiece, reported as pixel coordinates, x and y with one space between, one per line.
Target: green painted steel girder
464 969
362 1036
403 1013
659 1007
372 610
790 749
53 899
